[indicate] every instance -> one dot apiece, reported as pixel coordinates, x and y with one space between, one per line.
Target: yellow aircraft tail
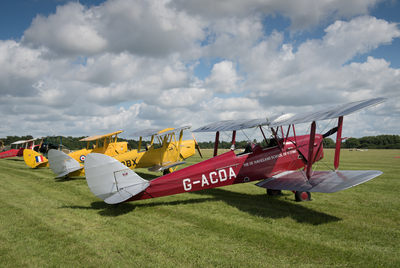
34 159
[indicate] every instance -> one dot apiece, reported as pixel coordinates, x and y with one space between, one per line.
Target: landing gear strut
302 196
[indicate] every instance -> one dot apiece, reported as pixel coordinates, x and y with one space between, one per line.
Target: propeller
196 145
330 132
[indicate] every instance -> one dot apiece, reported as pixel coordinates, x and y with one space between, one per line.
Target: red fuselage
229 168
12 153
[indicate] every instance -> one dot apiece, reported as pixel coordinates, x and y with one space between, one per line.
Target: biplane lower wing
320 181
62 164
165 166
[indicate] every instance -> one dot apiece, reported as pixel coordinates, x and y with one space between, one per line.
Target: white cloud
223 77
148 27
20 66
140 27
302 13
183 97
131 64
317 72
71 30
344 40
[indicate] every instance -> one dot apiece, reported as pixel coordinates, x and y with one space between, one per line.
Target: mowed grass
50 222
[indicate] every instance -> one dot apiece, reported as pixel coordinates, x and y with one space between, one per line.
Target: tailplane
62 164
34 159
110 180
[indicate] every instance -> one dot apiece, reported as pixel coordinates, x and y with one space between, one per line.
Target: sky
79 68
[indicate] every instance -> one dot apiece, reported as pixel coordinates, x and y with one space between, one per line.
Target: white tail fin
62 164
110 180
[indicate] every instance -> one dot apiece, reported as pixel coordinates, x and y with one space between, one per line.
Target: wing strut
266 141
233 140
179 143
216 143
140 144
338 142
310 150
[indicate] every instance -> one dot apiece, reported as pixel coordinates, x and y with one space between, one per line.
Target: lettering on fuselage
129 163
268 158
213 177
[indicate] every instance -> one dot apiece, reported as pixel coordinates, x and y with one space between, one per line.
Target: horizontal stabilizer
61 163
320 181
34 159
157 168
110 180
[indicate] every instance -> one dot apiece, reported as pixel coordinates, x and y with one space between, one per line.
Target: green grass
50 222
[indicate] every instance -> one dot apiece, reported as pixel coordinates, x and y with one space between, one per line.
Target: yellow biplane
71 164
163 153
33 157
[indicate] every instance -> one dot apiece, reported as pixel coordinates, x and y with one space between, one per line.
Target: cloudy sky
90 67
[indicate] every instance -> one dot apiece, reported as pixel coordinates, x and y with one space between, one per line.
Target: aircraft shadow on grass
124 208
14 159
258 205
67 179
272 207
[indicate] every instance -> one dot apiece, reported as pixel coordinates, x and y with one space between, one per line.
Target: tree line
369 142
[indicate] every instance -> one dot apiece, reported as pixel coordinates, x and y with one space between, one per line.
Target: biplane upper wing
323 114
23 141
145 133
174 130
230 125
19 142
289 119
98 137
152 131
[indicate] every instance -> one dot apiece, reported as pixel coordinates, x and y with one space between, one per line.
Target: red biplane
285 163
18 147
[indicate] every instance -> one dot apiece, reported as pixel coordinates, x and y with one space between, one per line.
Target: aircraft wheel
272 192
167 171
302 196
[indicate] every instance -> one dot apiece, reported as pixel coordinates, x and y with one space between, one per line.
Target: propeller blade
330 132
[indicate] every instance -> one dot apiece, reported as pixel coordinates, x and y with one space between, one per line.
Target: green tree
352 143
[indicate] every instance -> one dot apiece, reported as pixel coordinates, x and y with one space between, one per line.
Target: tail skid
62 164
110 180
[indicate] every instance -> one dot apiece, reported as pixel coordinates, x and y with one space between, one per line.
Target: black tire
166 171
302 196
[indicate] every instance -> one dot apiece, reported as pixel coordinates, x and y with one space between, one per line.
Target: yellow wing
98 137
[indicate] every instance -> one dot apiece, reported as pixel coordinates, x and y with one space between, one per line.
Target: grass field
50 222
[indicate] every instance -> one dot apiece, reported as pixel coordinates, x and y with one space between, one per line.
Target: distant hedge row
370 142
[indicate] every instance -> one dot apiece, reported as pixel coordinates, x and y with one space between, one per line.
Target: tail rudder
62 164
34 159
110 180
